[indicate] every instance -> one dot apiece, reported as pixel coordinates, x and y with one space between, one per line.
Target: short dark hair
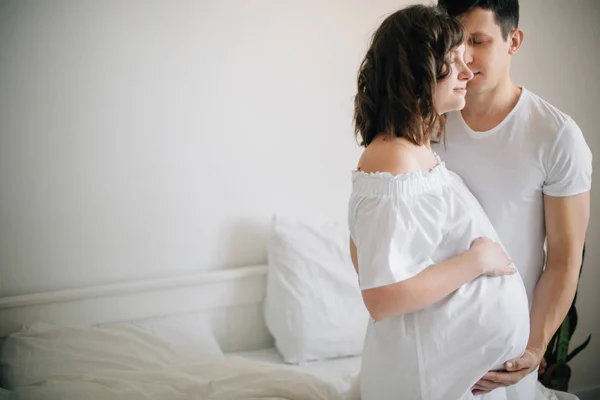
506 11
408 54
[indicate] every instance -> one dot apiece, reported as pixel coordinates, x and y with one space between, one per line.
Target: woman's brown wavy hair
408 54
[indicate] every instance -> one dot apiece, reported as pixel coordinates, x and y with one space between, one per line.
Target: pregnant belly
442 351
479 327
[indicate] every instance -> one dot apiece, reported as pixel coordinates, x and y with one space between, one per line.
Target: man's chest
502 175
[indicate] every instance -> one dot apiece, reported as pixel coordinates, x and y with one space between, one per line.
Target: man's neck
486 110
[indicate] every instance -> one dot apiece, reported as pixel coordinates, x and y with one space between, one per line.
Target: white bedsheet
128 363
215 379
338 372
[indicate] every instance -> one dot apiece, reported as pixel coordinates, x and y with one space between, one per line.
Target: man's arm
566 225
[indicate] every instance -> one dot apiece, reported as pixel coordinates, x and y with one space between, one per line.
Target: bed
199 336
341 372
207 335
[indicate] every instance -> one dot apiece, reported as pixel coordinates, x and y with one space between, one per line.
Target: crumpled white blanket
128 362
211 379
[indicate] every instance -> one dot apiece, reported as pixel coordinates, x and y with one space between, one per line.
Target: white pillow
313 305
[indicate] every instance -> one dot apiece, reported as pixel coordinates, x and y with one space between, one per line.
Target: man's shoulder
542 116
559 134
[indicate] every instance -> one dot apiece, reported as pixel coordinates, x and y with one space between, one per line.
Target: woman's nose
466 73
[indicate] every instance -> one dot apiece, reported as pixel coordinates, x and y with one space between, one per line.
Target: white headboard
229 300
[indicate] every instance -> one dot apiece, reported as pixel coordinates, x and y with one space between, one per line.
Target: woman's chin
455 106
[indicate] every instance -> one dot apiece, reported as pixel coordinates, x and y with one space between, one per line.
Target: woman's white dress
401 224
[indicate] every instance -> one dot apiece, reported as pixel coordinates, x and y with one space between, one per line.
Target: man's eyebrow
478 33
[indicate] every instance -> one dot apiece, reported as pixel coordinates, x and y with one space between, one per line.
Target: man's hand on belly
516 370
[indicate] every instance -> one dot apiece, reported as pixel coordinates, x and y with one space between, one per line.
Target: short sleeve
394 240
569 163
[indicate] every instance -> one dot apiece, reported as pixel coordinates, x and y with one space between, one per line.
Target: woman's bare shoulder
394 157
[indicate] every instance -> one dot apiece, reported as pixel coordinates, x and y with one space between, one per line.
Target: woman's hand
490 259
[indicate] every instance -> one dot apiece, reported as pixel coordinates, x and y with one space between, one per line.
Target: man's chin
474 90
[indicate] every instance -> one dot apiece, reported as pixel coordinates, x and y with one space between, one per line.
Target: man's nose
468 55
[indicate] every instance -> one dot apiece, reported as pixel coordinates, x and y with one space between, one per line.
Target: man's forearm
553 297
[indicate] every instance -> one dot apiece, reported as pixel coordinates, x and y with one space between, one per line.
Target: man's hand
543 366
517 369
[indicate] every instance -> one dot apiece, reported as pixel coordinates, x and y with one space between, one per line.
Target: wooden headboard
229 300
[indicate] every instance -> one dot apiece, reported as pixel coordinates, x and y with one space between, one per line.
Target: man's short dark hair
506 11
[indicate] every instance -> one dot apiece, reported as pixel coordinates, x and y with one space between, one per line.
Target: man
530 167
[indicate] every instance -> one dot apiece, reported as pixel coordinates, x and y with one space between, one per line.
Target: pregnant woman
446 304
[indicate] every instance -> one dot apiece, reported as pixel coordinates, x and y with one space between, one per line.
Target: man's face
487 52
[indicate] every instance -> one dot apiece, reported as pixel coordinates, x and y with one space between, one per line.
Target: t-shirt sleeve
569 164
394 241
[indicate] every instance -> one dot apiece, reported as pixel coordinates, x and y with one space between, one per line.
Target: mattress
338 372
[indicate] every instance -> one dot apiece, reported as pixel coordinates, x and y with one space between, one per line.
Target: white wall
144 139
152 138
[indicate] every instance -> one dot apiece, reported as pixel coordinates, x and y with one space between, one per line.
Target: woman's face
449 94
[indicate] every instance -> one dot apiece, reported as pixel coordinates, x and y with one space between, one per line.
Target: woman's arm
353 255
435 282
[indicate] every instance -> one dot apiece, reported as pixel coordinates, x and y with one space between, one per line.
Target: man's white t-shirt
535 150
